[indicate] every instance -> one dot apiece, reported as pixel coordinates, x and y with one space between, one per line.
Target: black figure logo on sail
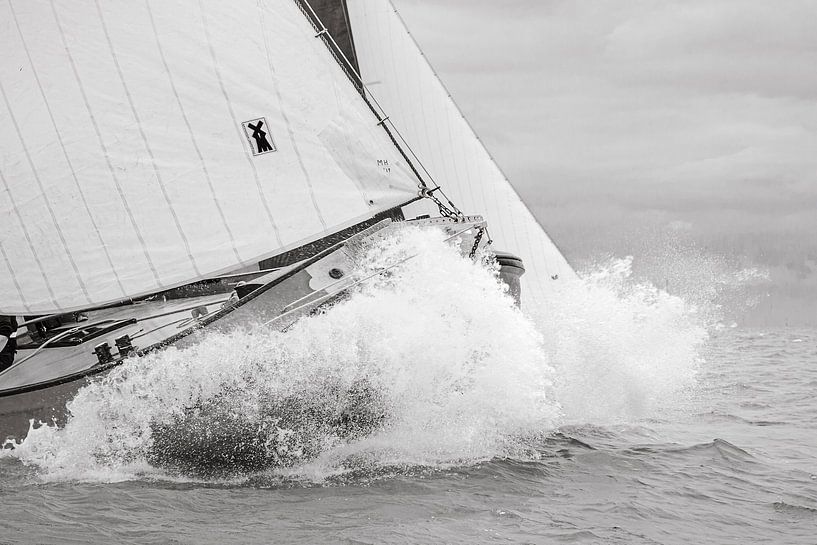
260 141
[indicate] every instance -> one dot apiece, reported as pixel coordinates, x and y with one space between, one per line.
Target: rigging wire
451 210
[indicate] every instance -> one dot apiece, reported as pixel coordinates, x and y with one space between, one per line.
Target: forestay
146 144
399 77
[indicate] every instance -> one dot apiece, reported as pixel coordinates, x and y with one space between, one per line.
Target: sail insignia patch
256 131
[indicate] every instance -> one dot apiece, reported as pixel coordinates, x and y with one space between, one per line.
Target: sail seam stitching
25 230
287 122
14 278
192 136
70 166
156 173
36 174
237 123
105 152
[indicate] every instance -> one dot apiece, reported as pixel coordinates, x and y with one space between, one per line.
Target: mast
334 9
334 16
350 68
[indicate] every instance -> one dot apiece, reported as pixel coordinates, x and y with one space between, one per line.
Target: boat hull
38 389
21 409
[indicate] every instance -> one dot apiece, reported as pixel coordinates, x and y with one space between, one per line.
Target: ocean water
426 408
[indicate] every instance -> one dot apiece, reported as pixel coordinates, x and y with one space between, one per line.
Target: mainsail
404 84
146 144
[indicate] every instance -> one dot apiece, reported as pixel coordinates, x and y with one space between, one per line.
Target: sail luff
351 68
334 16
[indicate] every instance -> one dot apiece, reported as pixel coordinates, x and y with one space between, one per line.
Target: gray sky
635 124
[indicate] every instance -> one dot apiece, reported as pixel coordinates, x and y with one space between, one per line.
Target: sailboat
169 168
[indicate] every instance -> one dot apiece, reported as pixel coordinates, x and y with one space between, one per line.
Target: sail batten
172 140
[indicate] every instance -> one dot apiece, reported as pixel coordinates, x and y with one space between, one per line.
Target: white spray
458 374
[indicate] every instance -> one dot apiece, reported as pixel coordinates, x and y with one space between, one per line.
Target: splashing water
621 349
431 364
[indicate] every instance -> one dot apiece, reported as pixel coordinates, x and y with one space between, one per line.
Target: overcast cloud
618 119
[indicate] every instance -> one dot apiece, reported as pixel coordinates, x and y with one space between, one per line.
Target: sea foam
434 351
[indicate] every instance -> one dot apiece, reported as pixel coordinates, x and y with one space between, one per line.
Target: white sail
402 81
146 144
